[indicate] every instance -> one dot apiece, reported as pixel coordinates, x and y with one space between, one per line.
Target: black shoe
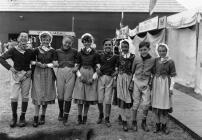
36 121
134 125
13 121
120 120
84 119
60 116
144 125
22 122
165 129
125 126
99 121
158 128
65 119
42 120
79 119
107 122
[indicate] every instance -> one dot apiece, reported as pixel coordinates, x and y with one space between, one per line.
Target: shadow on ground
62 134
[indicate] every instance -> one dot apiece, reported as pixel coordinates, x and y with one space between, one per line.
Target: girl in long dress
124 97
85 90
43 85
162 88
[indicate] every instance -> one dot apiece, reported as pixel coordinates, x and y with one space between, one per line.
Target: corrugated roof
90 5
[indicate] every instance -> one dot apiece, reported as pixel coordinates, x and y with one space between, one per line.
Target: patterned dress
43 85
124 98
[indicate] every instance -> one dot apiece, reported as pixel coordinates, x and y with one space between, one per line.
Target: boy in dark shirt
66 58
21 76
108 63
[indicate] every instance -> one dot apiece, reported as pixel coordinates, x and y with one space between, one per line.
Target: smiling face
87 44
22 40
87 41
124 48
144 51
45 40
108 46
67 43
162 51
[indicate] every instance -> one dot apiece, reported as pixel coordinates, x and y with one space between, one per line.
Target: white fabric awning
183 19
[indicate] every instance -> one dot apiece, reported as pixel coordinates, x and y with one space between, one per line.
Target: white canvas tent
184 37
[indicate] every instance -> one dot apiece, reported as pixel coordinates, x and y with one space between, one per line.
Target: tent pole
197 37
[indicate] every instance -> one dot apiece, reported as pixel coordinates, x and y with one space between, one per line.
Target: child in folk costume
21 76
85 90
65 76
123 80
162 88
43 85
108 63
142 68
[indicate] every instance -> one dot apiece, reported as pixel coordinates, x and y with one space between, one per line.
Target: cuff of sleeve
50 65
78 73
95 76
98 66
33 62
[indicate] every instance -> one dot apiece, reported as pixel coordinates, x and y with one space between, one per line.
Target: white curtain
182 44
198 84
153 39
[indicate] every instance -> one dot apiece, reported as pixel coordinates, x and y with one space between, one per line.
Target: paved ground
188 111
100 131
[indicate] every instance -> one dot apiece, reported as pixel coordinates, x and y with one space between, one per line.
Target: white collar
89 49
44 48
20 50
126 55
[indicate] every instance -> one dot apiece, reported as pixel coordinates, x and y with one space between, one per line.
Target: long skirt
161 98
43 86
84 93
124 98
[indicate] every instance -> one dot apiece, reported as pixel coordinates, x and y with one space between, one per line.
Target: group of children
90 78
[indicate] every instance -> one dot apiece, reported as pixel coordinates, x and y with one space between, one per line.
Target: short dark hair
125 42
106 39
68 36
144 44
86 38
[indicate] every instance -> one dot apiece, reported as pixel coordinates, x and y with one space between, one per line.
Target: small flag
121 22
152 4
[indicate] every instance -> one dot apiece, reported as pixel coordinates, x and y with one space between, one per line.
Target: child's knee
135 105
25 99
14 99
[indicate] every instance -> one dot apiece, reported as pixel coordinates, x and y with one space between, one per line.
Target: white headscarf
45 33
166 58
93 45
128 54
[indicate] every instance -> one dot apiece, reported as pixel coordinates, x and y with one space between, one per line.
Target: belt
63 66
108 74
87 67
121 72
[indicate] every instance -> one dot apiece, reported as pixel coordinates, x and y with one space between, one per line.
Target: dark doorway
12 36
